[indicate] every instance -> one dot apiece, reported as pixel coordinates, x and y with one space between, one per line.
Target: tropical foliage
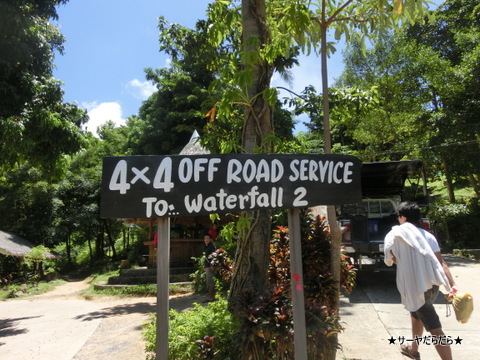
35 124
266 321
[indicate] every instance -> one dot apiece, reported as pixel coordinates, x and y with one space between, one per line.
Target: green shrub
266 322
198 276
457 225
223 270
191 332
27 289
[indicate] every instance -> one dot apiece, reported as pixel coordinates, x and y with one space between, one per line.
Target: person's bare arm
445 268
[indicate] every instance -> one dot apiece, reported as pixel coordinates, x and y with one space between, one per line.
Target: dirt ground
63 325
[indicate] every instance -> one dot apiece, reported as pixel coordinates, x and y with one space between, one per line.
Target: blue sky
109 43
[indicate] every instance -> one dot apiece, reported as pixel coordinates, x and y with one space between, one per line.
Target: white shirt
418 268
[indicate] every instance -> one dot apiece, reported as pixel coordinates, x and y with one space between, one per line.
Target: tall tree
351 19
253 249
168 118
425 78
28 205
455 37
407 78
35 124
245 74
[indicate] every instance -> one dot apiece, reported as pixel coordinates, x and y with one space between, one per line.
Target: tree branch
351 19
339 10
290 91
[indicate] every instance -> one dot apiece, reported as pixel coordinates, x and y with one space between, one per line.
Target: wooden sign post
161 187
163 280
296 271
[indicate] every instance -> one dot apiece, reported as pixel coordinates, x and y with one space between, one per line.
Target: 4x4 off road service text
163 186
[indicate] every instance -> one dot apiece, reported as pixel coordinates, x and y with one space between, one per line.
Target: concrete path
372 315
61 325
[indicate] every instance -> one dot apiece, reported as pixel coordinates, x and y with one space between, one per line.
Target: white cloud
100 113
141 89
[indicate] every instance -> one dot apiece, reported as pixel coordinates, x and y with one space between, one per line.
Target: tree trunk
90 249
99 243
449 182
110 241
474 183
251 266
68 248
336 235
258 113
251 261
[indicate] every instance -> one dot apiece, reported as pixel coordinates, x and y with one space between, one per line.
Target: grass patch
27 289
129 291
439 190
137 290
11 291
470 254
132 290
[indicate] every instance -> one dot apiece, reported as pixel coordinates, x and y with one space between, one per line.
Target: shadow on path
8 327
178 303
118 310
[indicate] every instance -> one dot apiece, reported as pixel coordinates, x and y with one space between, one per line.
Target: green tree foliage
403 75
189 93
63 213
37 256
349 104
28 205
79 195
245 47
168 118
35 124
458 224
27 42
78 221
427 84
354 20
455 37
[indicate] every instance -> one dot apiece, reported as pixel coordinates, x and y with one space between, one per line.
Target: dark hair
411 211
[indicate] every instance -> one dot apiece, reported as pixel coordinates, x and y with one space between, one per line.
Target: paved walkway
61 325
372 315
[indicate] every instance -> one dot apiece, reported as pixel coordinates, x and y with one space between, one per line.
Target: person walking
420 271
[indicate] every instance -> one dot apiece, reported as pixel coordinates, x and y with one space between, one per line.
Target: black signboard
168 186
